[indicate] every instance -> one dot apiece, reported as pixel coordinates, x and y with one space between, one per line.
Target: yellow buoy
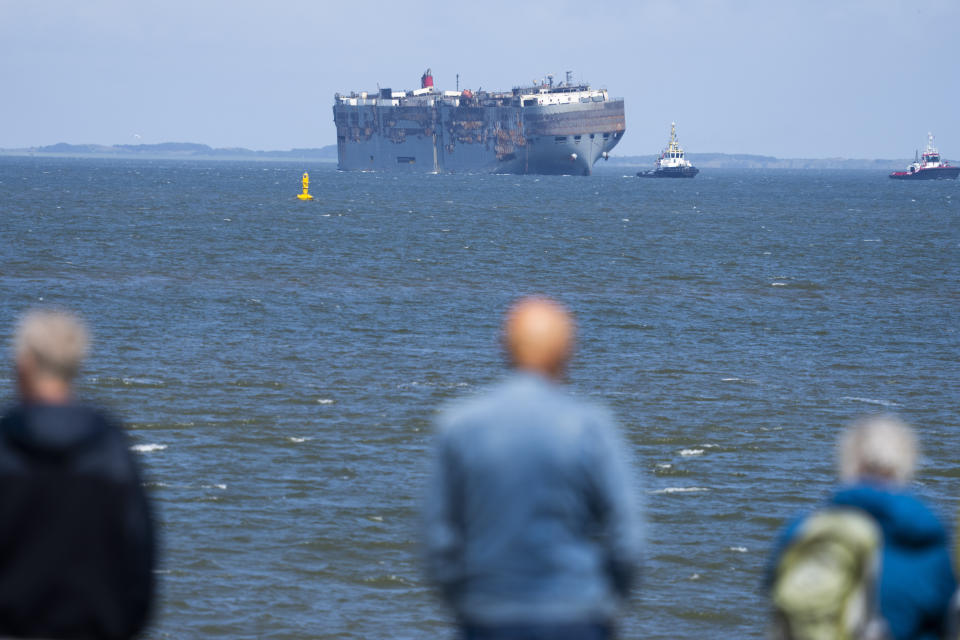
306 188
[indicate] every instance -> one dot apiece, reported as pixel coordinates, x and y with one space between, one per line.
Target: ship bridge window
560 139
606 135
576 138
933 158
406 160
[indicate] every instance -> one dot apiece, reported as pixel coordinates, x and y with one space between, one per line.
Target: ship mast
674 145
930 147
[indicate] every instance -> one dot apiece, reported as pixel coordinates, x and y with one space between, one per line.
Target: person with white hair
913 578
76 535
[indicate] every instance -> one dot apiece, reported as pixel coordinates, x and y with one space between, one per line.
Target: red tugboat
930 168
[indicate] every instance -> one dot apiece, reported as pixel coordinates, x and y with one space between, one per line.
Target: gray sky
811 78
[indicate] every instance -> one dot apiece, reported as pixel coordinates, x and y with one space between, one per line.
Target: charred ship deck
543 129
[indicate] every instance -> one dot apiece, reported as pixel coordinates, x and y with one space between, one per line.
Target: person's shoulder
515 391
100 420
592 411
457 414
521 395
102 415
104 425
11 422
875 496
12 413
902 513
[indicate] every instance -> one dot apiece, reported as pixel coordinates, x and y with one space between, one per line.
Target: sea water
279 362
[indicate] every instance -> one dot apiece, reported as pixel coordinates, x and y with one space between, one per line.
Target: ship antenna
458 83
930 146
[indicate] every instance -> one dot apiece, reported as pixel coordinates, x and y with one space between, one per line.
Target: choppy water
279 362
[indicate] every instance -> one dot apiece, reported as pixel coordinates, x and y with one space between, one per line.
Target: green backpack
825 584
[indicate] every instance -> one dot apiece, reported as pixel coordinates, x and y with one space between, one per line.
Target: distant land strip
192 150
172 150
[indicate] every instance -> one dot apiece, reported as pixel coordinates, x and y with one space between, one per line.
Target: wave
114 381
691 452
148 448
882 403
680 490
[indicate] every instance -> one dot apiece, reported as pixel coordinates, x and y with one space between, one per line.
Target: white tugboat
932 167
671 163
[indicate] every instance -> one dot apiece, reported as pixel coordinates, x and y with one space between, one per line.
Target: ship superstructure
545 128
932 167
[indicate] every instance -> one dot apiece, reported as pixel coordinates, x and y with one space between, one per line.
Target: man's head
881 447
49 347
538 335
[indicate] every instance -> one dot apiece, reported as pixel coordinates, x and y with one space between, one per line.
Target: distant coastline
328 153
171 151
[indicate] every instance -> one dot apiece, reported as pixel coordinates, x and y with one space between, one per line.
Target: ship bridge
548 96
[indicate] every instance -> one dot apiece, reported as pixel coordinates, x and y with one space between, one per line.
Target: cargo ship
931 167
544 128
672 163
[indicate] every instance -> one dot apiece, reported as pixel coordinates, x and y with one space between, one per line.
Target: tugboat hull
670 172
936 173
932 167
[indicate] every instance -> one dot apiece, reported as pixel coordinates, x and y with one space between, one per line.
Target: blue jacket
916 580
530 515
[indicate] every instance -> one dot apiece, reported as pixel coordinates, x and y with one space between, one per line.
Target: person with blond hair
531 528
76 535
875 543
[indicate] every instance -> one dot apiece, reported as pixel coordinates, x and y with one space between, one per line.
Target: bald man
76 537
531 529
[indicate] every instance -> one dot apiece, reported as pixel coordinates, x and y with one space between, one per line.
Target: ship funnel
426 80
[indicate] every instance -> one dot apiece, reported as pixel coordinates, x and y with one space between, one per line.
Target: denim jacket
530 515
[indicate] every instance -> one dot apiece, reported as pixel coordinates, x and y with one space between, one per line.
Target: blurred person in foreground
76 537
531 528
874 562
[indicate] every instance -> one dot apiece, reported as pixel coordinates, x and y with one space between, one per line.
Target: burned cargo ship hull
545 129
